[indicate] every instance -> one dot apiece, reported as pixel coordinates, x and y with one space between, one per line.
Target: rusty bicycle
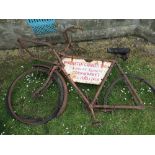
43 82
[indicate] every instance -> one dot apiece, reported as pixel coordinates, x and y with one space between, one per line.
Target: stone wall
10 30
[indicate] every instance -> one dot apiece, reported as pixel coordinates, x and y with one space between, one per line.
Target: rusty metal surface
102 83
132 90
113 107
48 81
61 67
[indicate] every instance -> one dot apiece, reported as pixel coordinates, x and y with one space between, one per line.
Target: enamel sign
86 72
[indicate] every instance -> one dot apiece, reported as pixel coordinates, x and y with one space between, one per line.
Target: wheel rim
27 109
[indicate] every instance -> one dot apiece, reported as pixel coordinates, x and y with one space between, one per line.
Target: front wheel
28 109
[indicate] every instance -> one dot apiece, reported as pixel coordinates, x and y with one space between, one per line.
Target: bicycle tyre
115 82
61 99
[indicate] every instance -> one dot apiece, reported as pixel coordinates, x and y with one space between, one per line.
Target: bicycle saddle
121 51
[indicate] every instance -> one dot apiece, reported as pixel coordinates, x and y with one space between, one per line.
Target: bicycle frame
91 105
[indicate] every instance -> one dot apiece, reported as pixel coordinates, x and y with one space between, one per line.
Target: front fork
39 91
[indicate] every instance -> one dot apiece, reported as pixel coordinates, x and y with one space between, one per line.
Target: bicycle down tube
93 104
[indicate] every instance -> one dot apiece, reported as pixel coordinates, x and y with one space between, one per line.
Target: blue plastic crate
42 26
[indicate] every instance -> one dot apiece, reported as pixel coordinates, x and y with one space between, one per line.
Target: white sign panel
86 72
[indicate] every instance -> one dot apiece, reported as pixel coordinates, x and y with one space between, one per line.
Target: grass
76 119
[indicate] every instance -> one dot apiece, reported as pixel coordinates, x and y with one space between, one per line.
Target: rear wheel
28 109
144 89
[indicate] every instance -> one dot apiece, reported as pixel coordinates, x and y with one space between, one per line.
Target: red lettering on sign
86 72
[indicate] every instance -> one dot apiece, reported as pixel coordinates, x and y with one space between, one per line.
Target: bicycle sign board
86 72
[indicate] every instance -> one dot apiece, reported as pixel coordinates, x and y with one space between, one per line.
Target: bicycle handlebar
22 41
21 44
33 41
70 29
